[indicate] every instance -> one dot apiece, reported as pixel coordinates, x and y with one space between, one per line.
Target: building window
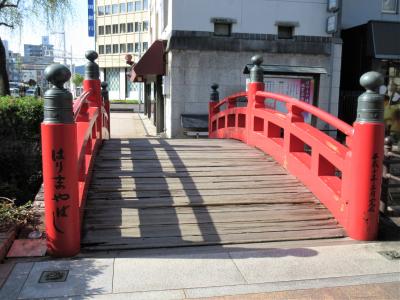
138 5
112 77
130 47
115 29
115 48
101 49
108 29
100 11
285 32
389 6
137 27
107 9
145 46
129 6
145 5
130 27
108 49
115 9
145 26
122 48
122 28
101 30
137 47
122 8
222 29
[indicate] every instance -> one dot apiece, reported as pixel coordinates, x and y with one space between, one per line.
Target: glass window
100 11
137 27
137 47
129 6
107 9
101 30
222 29
130 47
115 9
112 76
145 46
108 29
122 28
115 48
145 5
122 8
108 49
122 48
145 26
130 27
389 6
101 49
115 29
138 5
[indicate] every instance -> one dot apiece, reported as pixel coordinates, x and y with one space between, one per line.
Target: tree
77 80
12 14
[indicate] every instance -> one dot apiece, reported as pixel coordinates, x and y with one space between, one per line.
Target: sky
75 28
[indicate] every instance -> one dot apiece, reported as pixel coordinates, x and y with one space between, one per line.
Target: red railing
346 178
71 136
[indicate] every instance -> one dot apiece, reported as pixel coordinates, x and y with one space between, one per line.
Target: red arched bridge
264 175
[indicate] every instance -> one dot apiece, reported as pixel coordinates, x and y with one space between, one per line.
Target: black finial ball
91 55
388 141
57 74
257 60
104 84
371 81
215 86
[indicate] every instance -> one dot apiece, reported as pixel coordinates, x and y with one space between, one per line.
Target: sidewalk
320 269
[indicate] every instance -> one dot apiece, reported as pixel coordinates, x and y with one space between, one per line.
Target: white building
211 41
122 27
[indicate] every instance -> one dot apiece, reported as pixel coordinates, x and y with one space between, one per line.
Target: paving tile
307 263
28 248
15 281
174 272
5 271
89 276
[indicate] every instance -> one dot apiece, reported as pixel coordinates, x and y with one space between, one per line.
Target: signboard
299 88
91 22
331 24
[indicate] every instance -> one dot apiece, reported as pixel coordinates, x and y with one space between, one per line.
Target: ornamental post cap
371 81
388 141
57 74
215 86
104 85
257 60
91 55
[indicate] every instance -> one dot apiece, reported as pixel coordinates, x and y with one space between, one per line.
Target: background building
212 41
122 28
371 41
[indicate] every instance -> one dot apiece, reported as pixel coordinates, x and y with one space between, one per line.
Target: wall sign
331 24
91 21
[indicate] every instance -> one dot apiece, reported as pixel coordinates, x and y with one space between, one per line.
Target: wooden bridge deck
148 193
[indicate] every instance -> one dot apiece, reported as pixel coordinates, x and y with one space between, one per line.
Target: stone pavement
131 125
190 273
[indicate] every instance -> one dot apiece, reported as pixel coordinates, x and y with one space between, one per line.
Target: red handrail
345 177
80 102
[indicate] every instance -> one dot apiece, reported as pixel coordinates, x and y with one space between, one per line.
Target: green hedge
20 151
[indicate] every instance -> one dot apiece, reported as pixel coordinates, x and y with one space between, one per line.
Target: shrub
10 214
20 151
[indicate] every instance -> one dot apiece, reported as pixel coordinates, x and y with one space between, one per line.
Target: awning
385 39
150 64
277 69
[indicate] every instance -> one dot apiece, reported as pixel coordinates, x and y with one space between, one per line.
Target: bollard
214 98
364 184
256 84
60 170
106 103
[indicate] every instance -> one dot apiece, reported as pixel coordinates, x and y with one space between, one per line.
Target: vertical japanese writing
372 193
60 195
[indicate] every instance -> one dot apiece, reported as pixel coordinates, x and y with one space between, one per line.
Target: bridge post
367 143
214 98
92 83
60 169
256 84
106 102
